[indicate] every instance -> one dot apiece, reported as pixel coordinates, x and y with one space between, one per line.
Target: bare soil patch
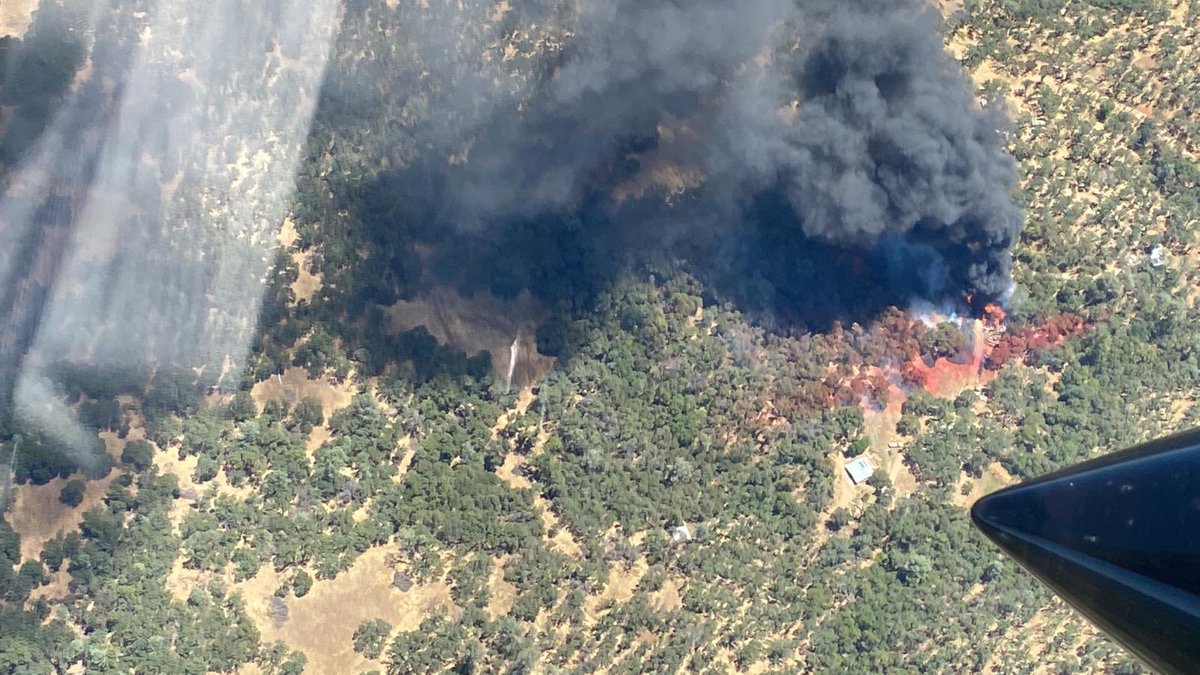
887 445
307 283
506 473
295 384
57 589
558 536
669 597
622 583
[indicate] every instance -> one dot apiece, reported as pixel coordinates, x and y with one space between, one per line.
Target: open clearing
15 16
37 515
559 537
994 478
501 594
294 385
482 322
322 623
307 283
622 583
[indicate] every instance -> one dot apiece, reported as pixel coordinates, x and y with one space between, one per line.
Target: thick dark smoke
849 116
888 145
631 66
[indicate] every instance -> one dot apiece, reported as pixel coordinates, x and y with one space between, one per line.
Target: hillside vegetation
662 488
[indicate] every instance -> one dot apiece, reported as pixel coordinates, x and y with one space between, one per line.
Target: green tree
308 414
139 454
242 407
301 583
72 493
206 469
371 636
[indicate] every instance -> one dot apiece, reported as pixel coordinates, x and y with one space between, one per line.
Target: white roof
859 470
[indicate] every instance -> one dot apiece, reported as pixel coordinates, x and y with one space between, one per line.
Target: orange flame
995 314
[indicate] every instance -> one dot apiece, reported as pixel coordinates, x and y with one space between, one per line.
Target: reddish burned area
1019 343
873 388
992 345
945 378
876 367
881 388
883 393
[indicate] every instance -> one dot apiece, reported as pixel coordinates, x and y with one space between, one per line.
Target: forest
670 495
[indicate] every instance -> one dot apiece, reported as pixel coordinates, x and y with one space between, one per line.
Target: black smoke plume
664 121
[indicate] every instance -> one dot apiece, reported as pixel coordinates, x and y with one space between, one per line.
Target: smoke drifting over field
849 116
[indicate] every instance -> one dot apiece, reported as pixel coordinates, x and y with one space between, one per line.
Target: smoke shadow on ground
35 71
761 266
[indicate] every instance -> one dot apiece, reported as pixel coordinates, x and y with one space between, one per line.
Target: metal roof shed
859 470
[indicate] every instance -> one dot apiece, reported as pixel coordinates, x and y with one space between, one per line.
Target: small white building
681 534
859 470
1157 256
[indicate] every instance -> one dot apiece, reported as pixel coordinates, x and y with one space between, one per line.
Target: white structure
681 534
859 470
1157 256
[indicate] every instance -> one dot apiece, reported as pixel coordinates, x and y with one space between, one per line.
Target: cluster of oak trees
651 420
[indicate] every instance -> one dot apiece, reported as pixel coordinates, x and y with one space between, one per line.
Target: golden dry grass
1030 640
322 623
406 460
561 540
880 429
307 283
669 598
57 589
505 472
501 594
183 470
622 583
37 514
845 492
15 16
295 384
994 478
180 580
845 495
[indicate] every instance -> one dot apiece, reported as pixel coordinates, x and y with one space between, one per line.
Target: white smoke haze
153 200
932 314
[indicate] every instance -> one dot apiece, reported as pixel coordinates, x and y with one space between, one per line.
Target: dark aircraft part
1118 537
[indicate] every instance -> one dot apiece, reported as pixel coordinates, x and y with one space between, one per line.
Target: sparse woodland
542 523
